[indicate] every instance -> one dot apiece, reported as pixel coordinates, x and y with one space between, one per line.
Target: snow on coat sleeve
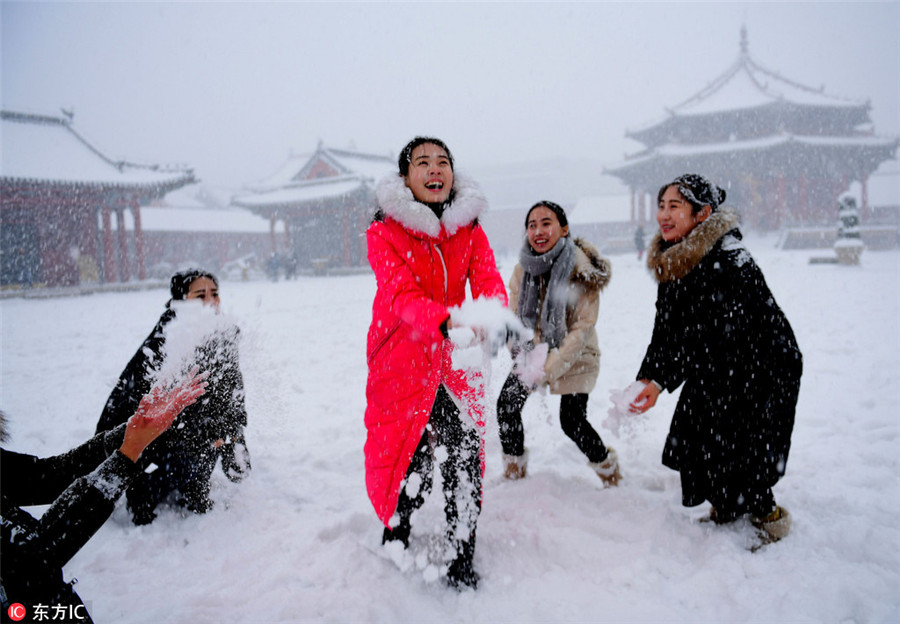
584 320
75 515
395 278
28 480
484 278
664 359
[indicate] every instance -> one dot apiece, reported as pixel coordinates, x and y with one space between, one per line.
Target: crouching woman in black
83 486
719 332
208 430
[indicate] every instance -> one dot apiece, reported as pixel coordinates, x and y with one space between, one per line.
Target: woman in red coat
425 245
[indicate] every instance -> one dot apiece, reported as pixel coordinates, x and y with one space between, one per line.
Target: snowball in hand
621 409
530 364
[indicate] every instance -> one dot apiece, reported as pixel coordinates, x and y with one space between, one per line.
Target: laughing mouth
434 185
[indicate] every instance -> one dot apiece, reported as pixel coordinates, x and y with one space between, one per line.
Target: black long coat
185 453
83 484
719 331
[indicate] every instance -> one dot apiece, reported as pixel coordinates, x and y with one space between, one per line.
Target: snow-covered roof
676 150
748 85
370 166
234 221
345 162
313 190
47 149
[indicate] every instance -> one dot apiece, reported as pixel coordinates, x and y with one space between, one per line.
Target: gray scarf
559 262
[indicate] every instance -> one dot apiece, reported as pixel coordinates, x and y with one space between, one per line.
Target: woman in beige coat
555 291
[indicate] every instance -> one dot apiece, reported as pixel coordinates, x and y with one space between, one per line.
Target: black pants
188 471
456 448
572 418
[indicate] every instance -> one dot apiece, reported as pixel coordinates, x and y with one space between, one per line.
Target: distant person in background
639 243
719 332
208 431
555 291
81 486
425 246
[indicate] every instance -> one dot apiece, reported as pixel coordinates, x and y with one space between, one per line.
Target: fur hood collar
397 201
591 269
672 262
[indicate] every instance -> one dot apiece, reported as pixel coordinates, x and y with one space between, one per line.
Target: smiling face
205 290
676 216
430 176
543 229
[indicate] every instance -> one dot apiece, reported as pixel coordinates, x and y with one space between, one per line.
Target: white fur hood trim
397 201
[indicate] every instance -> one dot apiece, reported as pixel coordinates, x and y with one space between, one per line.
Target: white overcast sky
231 89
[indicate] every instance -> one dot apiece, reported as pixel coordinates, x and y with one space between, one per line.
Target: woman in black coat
207 431
719 332
83 485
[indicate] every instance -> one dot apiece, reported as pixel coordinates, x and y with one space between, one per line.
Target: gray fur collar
397 201
591 269
674 262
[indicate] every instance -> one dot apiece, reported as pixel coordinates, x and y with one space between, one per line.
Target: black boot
461 573
399 533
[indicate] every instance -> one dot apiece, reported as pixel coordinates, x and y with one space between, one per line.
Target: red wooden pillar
140 258
631 200
109 256
361 236
123 245
864 213
345 246
781 206
272 234
804 201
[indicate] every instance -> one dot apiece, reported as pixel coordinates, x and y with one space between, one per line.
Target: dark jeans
572 418
461 473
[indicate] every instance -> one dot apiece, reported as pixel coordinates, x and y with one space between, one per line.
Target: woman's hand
646 398
156 411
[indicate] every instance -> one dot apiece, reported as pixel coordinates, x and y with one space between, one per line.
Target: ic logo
17 612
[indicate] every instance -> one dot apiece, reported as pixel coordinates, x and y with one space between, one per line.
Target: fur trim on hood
592 270
397 201
672 262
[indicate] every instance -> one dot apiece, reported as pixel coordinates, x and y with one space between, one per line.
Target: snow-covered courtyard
298 541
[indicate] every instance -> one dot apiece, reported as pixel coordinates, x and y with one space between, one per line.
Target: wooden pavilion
57 197
325 201
783 151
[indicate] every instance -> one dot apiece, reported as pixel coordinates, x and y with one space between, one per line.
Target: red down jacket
421 266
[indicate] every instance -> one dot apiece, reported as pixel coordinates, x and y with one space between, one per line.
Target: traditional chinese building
58 195
783 151
325 201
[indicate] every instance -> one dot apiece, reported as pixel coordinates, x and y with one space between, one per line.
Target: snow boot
461 573
716 518
399 533
515 466
773 527
608 469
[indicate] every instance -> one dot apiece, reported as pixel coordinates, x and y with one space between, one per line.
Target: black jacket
220 413
83 485
719 331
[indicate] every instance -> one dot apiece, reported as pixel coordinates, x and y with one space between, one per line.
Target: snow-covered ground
298 541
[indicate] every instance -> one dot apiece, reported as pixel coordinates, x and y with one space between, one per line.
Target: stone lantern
849 245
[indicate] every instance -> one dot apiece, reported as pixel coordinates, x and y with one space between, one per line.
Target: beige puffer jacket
574 366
